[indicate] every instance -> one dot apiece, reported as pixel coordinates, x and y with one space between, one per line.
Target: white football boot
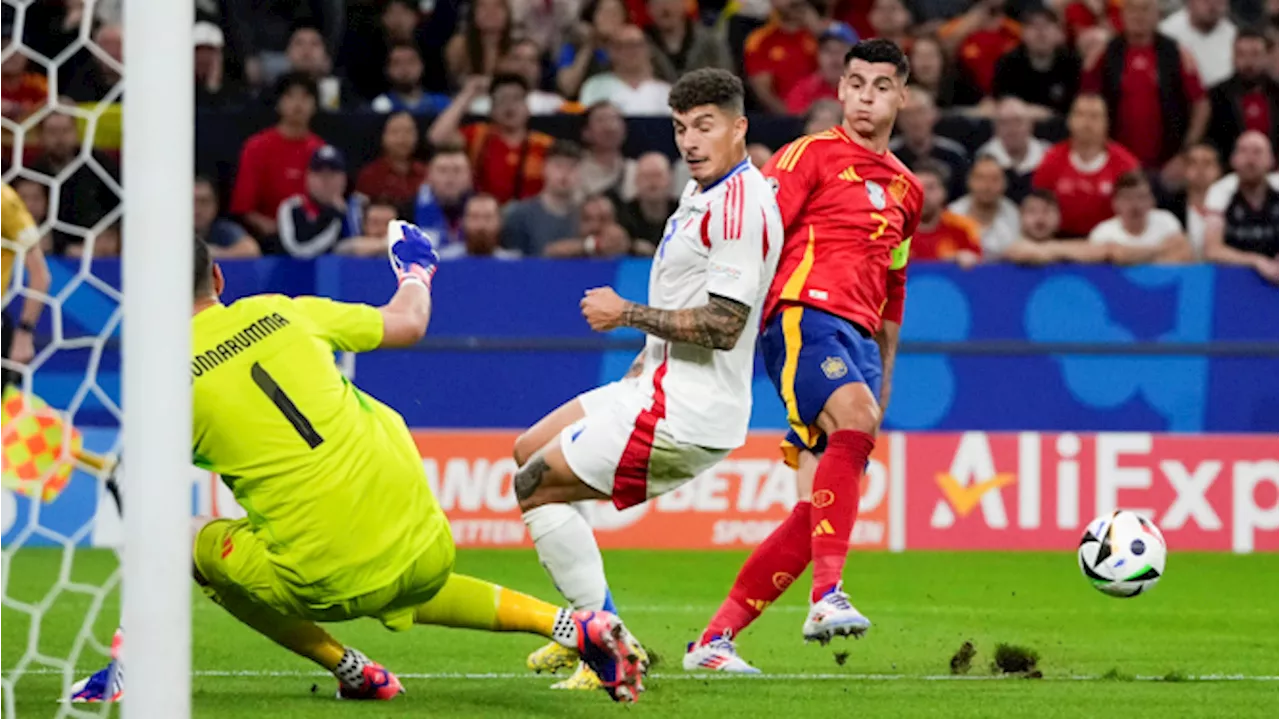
834 616
717 655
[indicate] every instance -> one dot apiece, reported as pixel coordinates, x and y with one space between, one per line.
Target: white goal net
63 432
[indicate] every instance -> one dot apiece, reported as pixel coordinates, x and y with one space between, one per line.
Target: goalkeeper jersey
18 230
330 477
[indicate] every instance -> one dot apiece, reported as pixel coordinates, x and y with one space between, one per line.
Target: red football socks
767 573
836 490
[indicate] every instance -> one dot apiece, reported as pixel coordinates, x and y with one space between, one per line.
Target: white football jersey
724 241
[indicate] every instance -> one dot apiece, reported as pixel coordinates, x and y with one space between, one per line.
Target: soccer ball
1122 554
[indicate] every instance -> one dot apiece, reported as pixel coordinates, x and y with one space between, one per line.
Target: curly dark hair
880 50
707 86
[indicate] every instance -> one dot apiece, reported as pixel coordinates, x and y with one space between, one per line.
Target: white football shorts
623 448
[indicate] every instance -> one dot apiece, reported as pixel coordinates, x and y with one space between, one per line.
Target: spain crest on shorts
834 368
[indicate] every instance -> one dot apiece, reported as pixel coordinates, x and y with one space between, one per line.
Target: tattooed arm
715 325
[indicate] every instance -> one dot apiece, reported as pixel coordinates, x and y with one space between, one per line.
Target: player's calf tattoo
529 477
715 325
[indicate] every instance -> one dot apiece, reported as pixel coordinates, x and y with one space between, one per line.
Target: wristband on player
589 245
418 273
28 327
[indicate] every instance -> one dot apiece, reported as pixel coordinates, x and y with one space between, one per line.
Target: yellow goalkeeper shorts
249 570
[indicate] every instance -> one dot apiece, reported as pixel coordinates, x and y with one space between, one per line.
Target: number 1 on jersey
268 385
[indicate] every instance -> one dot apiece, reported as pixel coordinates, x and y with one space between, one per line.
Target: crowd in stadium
1108 131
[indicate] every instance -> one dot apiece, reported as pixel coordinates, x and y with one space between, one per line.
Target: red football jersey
1084 195
949 235
848 214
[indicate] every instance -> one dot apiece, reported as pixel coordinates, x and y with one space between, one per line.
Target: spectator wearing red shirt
638 11
1156 105
942 234
854 13
23 91
979 38
825 81
507 157
395 175
781 54
1083 15
1247 100
1082 170
273 163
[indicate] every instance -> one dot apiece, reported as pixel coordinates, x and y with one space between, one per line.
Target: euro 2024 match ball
1122 554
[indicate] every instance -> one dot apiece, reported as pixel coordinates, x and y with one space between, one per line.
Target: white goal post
157 162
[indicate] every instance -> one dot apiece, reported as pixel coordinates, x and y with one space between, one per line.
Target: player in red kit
830 331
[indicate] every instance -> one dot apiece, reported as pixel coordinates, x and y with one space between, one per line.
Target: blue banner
1187 349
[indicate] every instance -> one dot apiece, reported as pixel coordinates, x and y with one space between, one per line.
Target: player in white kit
686 402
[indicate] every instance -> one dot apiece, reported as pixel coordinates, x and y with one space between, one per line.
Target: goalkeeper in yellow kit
20 244
341 523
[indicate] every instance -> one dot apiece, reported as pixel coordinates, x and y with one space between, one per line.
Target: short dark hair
881 50
985 157
404 46
202 278
1254 33
449 148
708 86
1090 96
207 181
565 149
1042 195
381 201
1038 10
1217 157
507 78
305 24
483 197
298 80
1131 181
595 107
935 168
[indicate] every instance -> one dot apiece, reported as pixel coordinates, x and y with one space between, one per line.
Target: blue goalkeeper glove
411 253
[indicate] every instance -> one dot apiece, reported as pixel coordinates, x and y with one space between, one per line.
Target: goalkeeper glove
411 253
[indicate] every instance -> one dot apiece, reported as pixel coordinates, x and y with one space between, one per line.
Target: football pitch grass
1202 644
